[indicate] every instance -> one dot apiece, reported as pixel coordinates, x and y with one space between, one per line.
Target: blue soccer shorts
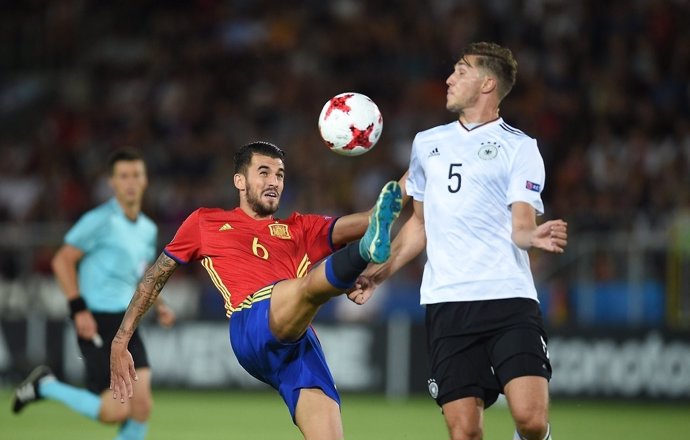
286 366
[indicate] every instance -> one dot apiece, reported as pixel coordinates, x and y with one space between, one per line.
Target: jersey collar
248 217
497 120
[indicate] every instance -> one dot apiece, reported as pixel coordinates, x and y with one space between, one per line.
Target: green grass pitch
222 415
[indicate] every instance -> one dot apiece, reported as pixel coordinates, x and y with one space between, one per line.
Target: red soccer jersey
242 254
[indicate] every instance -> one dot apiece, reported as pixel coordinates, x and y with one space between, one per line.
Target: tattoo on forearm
145 295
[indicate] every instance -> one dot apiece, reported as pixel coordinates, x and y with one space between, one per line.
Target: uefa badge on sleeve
533 186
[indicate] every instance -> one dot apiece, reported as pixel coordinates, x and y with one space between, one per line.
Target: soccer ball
350 124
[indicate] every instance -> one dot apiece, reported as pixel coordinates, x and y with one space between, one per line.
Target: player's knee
531 426
116 413
142 407
466 432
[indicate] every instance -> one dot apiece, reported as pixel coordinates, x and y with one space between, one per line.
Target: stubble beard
460 105
258 206
453 105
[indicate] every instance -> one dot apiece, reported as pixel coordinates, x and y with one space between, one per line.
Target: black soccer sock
343 267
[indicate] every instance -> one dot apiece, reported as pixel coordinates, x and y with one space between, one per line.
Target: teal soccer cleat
375 245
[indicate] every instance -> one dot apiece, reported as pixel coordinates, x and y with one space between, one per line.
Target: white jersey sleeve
527 176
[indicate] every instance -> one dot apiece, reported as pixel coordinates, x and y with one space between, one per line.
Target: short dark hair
123 155
498 60
243 156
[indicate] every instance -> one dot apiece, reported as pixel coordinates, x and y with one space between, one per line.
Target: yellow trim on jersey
259 295
208 265
303 266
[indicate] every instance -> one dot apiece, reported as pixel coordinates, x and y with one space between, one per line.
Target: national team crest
488 150
280 230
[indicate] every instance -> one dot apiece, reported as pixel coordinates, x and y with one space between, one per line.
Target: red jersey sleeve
317 232
186 244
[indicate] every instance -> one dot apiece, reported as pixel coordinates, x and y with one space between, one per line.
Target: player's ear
240 181
489 84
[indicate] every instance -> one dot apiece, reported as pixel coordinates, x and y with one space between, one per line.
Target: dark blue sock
344 266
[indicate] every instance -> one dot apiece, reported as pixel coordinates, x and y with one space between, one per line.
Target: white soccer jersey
468 180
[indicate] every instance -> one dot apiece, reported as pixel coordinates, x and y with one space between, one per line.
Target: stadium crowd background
603 86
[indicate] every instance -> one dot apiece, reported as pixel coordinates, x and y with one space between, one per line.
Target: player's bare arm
121 364
410 242
551 236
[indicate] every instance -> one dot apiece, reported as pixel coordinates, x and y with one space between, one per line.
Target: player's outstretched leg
375 245
27 391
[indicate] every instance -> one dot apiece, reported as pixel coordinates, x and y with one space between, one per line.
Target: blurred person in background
476 185
260 265
103 257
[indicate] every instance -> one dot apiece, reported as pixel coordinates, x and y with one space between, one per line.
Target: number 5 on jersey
454 177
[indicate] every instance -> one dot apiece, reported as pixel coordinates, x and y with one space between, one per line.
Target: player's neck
253 214
478 115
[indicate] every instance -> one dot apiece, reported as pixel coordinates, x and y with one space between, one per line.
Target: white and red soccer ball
350 124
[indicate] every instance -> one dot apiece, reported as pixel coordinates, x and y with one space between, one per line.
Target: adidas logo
434 152
225 227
